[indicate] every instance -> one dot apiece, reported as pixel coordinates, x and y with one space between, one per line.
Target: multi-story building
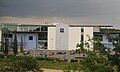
53 36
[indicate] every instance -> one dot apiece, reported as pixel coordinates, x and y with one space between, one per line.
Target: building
53 36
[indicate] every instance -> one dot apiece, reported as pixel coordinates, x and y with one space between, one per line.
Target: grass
55 65
43 62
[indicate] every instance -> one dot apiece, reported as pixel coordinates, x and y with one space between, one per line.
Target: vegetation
6 44
19 64
21 45
56 65
81 49
96 60
115 58
2 42
72 67
5 41
15 46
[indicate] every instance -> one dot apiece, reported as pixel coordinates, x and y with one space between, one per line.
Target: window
30 37
82 30
10 36
62 30
82 37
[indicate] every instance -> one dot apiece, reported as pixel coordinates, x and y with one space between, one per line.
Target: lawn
50 63
56 65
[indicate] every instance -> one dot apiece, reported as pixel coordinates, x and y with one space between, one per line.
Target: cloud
87 11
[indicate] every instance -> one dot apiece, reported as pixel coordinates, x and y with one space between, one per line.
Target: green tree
99 47
15 46
2 44
115 58
80 47
19 64
96 60
21 45
6 44
5 41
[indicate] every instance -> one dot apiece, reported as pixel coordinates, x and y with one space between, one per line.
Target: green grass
55 65
50 63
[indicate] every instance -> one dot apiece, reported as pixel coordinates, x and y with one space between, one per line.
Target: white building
54 36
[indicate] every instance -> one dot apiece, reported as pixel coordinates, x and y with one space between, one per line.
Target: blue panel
26 42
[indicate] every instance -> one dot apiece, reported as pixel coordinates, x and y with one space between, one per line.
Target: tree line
5 43
100 58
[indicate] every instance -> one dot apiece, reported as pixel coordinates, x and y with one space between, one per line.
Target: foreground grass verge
40 62
56 65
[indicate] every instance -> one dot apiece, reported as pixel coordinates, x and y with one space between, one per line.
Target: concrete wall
62 37
96 29
74 37
88 33
51 38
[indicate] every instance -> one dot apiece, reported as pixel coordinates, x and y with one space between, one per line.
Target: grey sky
90 11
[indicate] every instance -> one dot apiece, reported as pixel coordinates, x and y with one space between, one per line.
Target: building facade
54 36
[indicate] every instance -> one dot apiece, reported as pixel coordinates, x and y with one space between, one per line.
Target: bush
20 64
8 56
72 60
72 68
47 58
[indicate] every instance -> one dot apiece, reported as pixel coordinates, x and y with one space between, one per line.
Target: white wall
96 29
62 37
88 32
51 38
74 37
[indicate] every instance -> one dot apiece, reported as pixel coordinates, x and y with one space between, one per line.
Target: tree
115 39
21 45
5 40
20 64
96 60
80 47
15 46
6 44
2 43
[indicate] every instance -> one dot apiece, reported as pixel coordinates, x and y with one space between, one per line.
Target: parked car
72 52
26 52
51 53
61 53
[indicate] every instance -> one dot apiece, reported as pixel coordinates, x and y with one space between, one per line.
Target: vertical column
51 38
88 34
62 36
74 37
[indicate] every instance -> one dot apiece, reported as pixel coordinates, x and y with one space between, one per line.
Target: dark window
62 30
82 37
10 35
44 28
82 30
42 36
30 37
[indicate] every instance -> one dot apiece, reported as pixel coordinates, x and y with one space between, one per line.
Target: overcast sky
89 11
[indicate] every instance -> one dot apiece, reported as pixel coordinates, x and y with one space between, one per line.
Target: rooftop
54 24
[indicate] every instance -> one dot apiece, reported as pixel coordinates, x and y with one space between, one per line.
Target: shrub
72 60
20 64
47 58
72 68
8 56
